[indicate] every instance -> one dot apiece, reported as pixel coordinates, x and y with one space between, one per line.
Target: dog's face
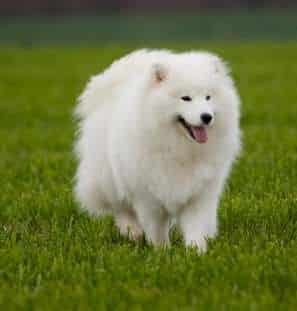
195 95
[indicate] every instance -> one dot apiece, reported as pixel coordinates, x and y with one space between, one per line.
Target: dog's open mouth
198 133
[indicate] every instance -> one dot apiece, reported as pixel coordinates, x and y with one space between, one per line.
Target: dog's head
194 93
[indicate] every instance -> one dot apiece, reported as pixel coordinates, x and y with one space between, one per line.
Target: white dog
159 132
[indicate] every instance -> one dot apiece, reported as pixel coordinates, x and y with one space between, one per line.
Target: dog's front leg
154 221
198 220
198 223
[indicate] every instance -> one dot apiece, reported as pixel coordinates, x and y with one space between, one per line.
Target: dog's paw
200 245
129 227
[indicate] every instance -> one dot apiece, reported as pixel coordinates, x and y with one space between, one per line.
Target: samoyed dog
158 133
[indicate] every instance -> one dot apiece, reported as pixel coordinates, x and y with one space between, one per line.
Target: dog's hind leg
127 223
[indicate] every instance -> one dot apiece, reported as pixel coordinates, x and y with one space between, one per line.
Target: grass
220 25
54 258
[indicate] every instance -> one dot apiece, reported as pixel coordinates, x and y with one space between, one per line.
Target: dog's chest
174 182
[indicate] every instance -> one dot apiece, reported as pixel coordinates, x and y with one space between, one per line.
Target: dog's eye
207 97
186 98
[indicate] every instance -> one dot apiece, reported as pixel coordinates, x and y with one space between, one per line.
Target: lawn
254 24
54 258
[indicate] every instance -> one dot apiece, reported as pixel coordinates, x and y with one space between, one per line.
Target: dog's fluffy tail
102 86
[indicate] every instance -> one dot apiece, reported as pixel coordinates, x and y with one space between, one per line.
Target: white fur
136 161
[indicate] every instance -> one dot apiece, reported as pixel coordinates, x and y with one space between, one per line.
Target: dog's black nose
206 118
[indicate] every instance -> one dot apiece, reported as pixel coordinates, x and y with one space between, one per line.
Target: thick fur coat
158 133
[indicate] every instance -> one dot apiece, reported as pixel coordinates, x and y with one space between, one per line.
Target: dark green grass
53 257
197 25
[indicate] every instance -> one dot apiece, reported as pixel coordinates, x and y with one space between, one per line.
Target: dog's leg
154 221
198 220
198 223
128 224
88 194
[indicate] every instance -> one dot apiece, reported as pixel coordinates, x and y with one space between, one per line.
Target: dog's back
103 86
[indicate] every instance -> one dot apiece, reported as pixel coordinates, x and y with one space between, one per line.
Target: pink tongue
200 134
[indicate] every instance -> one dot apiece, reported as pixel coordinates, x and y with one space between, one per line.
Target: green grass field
222 25
54 258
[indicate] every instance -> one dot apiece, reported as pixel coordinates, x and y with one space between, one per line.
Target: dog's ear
221 66
160 72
